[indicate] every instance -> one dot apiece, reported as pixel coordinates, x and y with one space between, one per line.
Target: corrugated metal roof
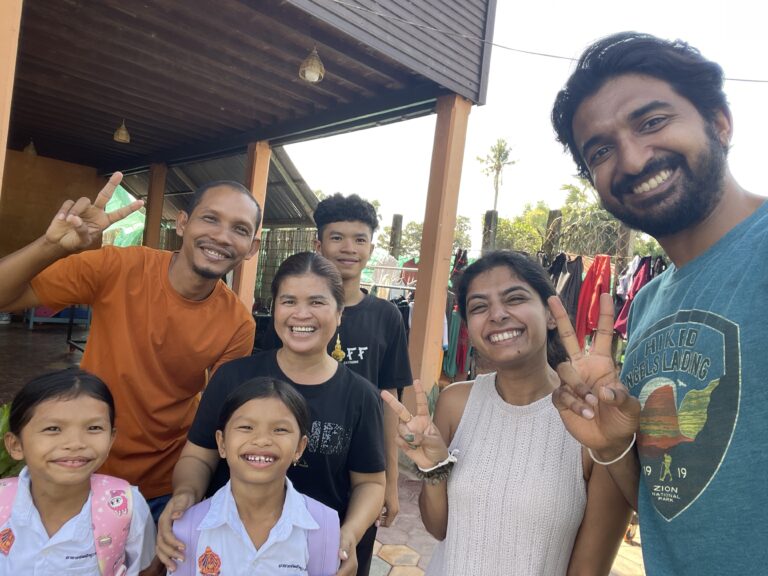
290 201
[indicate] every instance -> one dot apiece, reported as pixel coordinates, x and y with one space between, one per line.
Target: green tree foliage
645 245
494 163
525 232
586 227
410 241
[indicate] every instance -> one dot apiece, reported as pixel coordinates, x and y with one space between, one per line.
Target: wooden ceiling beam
136 55
370 67
85 105
234 53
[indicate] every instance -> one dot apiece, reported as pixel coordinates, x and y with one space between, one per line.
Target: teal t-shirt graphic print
682 364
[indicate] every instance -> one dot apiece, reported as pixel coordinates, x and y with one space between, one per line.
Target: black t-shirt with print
346 433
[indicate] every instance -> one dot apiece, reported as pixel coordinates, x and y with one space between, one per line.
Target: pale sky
391 163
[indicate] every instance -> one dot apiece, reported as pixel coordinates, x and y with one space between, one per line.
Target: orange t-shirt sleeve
240 345
76 279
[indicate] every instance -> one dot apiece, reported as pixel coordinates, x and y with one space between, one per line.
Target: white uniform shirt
71 551
285 552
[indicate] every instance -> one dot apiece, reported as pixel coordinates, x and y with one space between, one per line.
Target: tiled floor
401 550
26 353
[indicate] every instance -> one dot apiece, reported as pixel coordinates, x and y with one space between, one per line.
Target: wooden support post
10 23
552 233
623 248
425 340
256 178
490 223
396 236
155 201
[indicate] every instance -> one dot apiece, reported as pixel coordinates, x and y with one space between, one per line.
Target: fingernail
345 555
587 413
409 438
592 399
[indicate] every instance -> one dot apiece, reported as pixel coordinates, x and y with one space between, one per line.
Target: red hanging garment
597 281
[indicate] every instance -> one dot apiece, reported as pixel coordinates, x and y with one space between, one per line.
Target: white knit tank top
516 497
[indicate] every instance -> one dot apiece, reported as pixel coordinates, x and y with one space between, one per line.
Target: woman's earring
338 354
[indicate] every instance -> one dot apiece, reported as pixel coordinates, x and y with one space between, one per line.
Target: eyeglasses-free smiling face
348 245
656 163
305 313
219 233
506 319
65 441
260 441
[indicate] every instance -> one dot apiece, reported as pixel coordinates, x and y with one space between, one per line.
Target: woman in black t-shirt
343 466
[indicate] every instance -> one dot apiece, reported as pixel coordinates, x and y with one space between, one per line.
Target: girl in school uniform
258 523
58 518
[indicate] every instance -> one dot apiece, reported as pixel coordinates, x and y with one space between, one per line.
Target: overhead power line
421 26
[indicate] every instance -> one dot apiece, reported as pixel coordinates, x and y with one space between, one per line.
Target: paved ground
26 353
405 548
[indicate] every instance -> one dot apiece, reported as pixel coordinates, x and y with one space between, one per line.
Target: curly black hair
675 62
338 208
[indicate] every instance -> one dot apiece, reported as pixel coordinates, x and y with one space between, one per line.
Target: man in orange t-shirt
161 319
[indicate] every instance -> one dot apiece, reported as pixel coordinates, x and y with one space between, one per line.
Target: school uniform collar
223 511
25 513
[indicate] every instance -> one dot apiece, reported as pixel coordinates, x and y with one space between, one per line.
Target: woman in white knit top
523 497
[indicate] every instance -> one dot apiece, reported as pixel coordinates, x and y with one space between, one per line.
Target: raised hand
594 405
79 224
170 549
417 436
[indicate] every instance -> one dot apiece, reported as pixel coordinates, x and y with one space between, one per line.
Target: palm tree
494 163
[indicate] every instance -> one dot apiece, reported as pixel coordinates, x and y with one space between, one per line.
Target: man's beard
697 193
208 274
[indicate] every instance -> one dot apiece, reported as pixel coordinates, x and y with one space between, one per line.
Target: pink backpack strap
111 513
8 487
323 543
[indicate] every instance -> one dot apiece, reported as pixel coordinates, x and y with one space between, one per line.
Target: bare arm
426 443
76 226
365 504
605 521
17 269
433 500
191 477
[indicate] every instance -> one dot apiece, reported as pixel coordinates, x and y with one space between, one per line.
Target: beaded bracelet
439 471
632 443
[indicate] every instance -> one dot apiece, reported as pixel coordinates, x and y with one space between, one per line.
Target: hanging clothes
596 282
624 284
640 279
449 360
566 275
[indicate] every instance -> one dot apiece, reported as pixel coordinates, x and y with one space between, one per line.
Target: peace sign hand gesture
78 224
418 437
594 405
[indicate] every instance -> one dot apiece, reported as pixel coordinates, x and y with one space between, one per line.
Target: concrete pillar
552 233
490 224
395 238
